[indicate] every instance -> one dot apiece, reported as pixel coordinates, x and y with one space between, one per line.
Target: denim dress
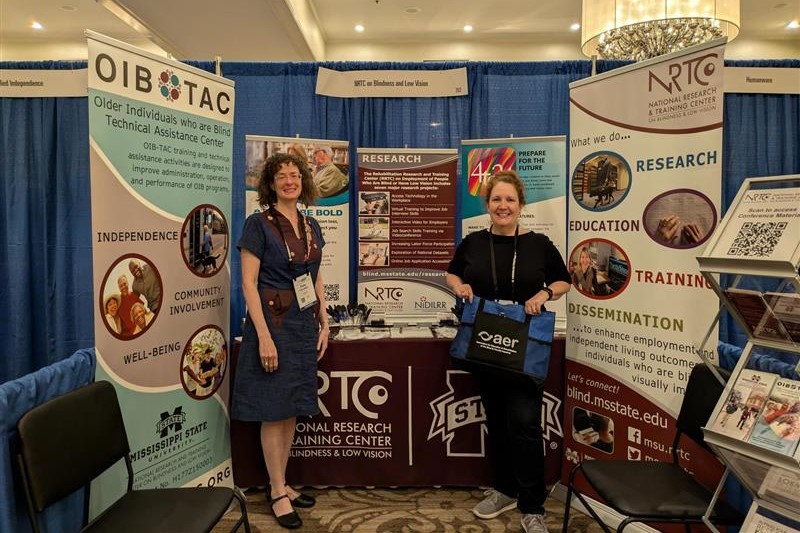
291 390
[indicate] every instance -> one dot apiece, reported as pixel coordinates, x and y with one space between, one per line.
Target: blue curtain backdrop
45 257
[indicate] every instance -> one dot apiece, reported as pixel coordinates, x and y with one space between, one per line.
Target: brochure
743 404
778 426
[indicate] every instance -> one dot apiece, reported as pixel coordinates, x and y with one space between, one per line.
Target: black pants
514 418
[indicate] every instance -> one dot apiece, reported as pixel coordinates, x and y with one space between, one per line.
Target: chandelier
641 29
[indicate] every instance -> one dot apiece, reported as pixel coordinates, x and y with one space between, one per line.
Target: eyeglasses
284 177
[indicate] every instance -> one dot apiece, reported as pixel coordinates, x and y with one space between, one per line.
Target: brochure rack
752 263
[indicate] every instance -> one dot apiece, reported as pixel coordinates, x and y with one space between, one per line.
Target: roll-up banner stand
160 154
330 166
406 229
644 194
541 163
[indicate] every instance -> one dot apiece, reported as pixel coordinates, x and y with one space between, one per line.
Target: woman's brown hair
510 177
266 185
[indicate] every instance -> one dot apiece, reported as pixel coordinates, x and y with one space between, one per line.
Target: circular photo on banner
130 296
601 181
680 218
204 362
599 269
204 240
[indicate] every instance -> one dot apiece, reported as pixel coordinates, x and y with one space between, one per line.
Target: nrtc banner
406 229
644 194
160 154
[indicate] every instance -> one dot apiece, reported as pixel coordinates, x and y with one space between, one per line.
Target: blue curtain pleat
45 259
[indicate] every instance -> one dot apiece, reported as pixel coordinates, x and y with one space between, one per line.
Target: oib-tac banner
645 167
330 166
406 229
541 164
160 154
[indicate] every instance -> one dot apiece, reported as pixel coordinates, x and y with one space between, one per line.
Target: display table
394 412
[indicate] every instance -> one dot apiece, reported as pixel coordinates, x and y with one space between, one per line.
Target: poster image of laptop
680 218
374 203
599 268
204 240
601 181
373 254
373 228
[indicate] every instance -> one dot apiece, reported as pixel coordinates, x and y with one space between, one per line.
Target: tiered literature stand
752 263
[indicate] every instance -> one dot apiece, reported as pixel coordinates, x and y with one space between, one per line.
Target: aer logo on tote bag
498 342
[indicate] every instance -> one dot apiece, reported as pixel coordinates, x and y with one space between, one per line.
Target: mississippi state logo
170 85
458 418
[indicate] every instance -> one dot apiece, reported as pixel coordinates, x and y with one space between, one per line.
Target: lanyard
513 263
302 224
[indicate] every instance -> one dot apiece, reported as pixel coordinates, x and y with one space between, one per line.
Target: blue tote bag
505 337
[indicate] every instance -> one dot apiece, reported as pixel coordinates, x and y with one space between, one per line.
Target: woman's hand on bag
534 305
268 353
464 291
322 341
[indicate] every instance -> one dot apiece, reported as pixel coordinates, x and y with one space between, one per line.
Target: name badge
304 291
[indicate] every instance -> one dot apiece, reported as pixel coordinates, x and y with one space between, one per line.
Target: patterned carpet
428 510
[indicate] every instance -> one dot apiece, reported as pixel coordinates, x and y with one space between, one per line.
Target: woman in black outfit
529 271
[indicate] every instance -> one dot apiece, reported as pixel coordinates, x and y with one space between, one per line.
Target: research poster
644 196
406 229
160 160
541 163
330 168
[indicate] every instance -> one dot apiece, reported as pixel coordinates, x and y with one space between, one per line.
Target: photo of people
131 296
593 430
204 240
373 203
601 181
373 229
327 161
330 178
599 268
373 254
204 362
682 218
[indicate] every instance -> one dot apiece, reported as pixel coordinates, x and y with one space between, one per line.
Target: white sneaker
494 504
533 523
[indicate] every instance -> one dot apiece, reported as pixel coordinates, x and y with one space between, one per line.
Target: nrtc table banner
406 229
160 154
329 162
644 193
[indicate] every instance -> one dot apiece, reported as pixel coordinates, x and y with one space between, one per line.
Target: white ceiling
308 30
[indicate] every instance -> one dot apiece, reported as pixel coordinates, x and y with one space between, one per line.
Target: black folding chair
657 492
72 439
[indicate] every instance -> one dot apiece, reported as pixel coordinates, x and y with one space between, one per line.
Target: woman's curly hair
266 185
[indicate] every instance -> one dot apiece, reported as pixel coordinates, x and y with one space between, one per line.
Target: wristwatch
549 292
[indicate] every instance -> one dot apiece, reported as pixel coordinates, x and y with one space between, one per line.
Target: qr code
331 292
757 239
